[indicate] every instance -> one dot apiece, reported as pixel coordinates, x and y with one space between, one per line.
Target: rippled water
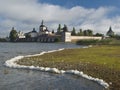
21 79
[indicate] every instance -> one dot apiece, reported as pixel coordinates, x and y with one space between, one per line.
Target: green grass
97 61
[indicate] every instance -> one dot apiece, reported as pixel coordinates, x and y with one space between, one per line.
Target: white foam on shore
12 63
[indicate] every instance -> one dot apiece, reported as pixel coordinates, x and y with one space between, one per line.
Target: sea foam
12 64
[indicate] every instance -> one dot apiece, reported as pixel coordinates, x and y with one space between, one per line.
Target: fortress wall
84 37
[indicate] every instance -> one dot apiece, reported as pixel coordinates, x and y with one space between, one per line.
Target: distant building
110 32
43 29
20 35
33 34
45 35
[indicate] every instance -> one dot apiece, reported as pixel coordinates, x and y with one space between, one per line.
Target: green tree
88 32
85 33
59 29
73 32
65 29
98 34
117 37
13 35
80 33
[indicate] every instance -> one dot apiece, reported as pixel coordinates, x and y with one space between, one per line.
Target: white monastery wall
85 37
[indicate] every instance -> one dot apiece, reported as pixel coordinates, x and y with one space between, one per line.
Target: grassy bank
109 41
98 61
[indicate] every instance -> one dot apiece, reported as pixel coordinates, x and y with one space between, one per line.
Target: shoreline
12 64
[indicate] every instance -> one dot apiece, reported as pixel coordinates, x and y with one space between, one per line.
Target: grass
98 61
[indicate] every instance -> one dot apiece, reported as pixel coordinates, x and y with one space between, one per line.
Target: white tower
66 36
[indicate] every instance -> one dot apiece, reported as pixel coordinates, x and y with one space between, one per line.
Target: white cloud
26 14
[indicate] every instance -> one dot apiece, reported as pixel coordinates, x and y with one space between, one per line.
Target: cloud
26 14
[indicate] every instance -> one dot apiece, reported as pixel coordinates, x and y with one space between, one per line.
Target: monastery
44 35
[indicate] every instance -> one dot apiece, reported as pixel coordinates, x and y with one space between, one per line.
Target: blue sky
24 15
86 4
83 3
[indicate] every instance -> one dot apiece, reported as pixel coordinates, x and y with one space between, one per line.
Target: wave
12 64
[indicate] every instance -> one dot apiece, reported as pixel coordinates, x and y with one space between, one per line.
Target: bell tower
42 28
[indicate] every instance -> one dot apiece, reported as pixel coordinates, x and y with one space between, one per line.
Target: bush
93 42
57 40
3 40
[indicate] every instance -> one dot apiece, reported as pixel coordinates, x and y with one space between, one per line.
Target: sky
24 15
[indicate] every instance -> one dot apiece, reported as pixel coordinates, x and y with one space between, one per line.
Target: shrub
57 40
93 42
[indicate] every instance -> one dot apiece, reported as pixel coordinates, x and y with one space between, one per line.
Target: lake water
21 79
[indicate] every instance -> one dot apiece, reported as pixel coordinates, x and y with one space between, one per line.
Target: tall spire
110 32
110 28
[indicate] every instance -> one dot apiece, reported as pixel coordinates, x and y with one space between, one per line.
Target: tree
59 29
13 35
99 34
88 32
80 33
85 33
73 31
117 37
3 40
65 29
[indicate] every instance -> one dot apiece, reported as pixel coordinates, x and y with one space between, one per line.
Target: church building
43 29
46 36
110 32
